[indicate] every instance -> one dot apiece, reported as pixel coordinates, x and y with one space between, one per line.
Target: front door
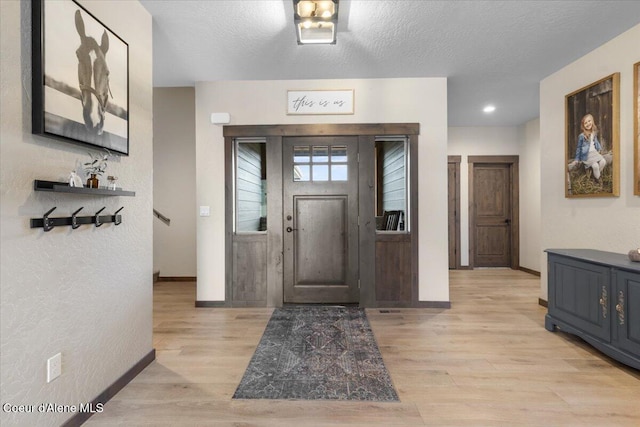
320 212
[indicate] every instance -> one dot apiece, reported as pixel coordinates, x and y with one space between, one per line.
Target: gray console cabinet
596 296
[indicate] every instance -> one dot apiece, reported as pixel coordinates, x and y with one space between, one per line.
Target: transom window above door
320 163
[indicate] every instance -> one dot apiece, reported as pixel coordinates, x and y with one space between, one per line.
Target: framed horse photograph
592 120
80 77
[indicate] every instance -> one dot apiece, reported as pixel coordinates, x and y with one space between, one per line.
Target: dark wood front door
320 213
493 216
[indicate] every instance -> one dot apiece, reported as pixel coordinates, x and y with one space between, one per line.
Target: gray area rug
317 352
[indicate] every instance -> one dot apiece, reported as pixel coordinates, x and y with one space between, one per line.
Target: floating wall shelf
63 187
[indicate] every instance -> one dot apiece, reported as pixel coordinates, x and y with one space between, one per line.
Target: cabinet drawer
580 294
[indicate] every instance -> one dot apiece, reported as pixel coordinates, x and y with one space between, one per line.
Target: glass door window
392 185
320 163
250 185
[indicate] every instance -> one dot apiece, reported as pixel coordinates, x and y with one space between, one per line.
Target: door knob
507 221
289 229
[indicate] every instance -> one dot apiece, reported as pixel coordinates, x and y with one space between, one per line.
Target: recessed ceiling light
489 109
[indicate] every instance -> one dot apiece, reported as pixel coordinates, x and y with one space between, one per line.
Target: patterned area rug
317 352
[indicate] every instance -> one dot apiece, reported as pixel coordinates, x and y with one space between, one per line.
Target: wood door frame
275 244
513 162
456 160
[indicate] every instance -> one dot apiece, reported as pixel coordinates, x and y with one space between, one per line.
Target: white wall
530 222
174 181
376 101
609 224
85 293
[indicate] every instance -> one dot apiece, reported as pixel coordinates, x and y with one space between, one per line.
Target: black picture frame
80 80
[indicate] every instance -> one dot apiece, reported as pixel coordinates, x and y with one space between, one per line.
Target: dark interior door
453 222
320 211
492 199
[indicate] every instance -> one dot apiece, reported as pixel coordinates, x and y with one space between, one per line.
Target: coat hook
47 224
74 219
116 219
97 217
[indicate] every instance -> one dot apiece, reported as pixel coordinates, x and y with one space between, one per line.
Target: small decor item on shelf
634 255
74 180
92 181
95 167
112 182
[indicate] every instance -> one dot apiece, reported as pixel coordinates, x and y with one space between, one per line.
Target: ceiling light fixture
316 21
489 109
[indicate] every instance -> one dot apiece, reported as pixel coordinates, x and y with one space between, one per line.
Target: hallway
486 361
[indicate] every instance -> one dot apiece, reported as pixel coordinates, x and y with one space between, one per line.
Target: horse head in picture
93 77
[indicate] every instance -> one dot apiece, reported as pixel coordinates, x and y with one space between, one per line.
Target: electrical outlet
54 367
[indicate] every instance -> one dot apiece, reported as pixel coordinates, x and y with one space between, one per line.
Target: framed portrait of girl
592 139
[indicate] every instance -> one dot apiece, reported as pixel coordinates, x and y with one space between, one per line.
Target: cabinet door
580 294
627 315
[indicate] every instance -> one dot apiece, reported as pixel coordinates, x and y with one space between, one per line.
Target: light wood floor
488 361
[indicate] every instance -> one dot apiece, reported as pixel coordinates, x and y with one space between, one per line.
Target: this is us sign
320 101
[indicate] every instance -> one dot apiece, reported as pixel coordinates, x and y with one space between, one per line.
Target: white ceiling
491 51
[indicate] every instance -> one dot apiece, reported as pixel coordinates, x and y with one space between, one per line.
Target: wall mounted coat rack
74 220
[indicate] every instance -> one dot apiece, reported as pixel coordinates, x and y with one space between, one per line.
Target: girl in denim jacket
588 150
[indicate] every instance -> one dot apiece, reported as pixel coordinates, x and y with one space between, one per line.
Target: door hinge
358 220
358 283
358 156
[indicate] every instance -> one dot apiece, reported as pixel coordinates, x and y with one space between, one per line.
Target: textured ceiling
491 51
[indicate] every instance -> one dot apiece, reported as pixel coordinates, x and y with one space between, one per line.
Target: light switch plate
54 367
205 211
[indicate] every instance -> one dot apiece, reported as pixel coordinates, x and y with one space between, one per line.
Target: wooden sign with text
313 102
